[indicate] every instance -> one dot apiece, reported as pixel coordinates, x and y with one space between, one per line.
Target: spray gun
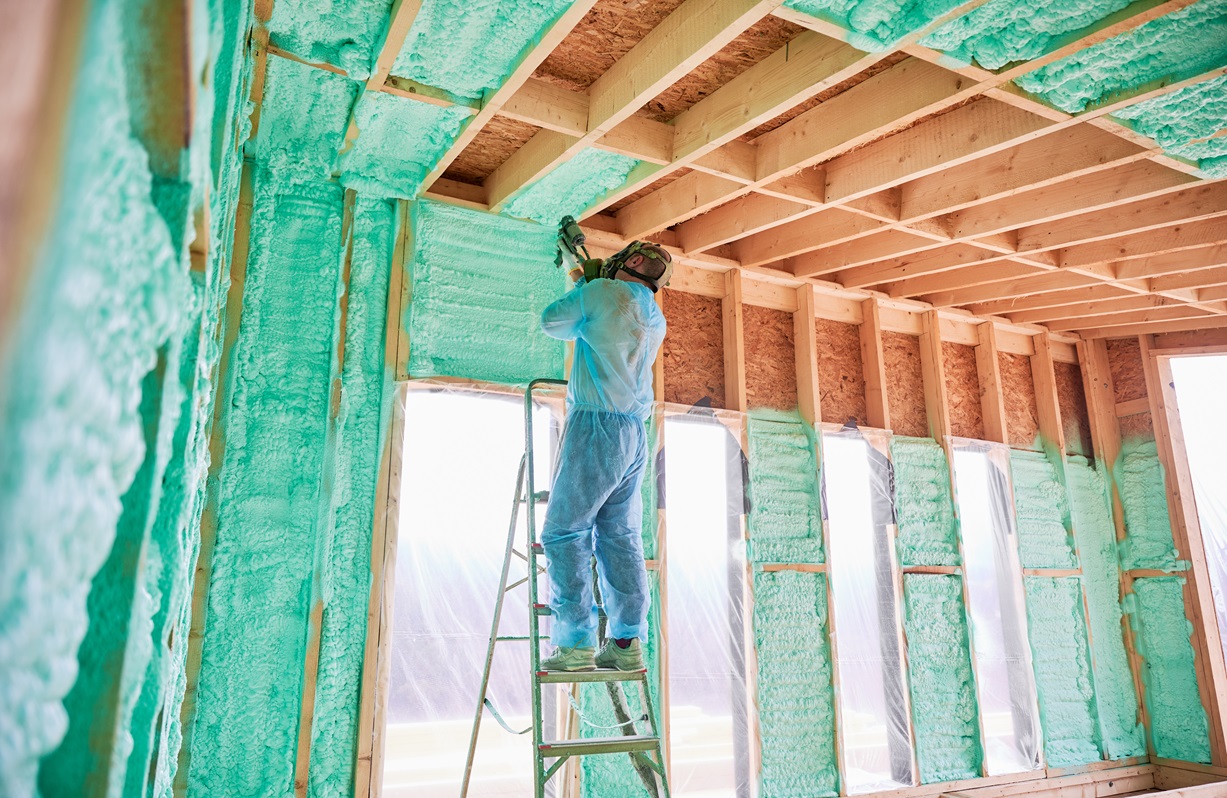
571 240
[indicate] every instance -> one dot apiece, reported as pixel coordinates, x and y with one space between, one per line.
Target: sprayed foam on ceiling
874 25
344 34
303 119
1001 32
469 47
573 187
1188 123
1175 47
399 141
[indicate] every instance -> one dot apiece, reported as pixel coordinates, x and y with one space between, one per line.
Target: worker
595 506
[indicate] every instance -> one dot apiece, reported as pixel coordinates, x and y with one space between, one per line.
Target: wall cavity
785 521
924 508
1178 725
480 283
942 687
469 48
1174 47
1057 629
1042 512
303 120
1140 479
1116 695
399 141
572 187
342 34
796 703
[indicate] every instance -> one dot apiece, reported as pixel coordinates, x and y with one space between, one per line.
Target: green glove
592 268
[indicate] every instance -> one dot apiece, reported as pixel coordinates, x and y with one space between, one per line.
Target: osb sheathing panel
771 359
905 390
841 378
963 390
605 34
489 149
693 350
1022 417
1128 372
648 189
752 46
1137 425
1075 418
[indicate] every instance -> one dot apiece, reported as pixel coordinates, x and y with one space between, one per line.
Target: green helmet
643 259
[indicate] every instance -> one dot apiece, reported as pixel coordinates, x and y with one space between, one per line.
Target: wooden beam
933 261
826 227
735 219
862 251
1014 283
1053 299
1100 307
701 190
809 394
400 20
1186 235
1131 318
1182 509
873 364
734 343
1155 327
934 373
992 397
1048 406
1196 278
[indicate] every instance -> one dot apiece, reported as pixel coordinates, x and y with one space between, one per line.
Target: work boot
621 659
569 659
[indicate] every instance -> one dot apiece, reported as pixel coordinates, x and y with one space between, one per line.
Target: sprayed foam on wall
796 702
108 290
303 120
1056 626
469 48
480 283
1116 695
573 187
249 693
1042 512
345 548
924 508
399 141
942 687
1178 725
785 520
1185 122
1001 32
1173 47
874 25
1140 479
342 34
613 776
650 491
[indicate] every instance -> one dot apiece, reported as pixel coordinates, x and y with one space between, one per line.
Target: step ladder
549 756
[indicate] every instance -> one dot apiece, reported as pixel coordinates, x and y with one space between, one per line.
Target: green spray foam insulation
649 491
1178 725
785 519
614 776
1002 32
109 288
943 689
269 519
361 425
1042 512
469 47
796 701
1116 694
1172 48
398 143
924 507
1056 626
1185 122
573 187
480 283
342 34
1143 494
874 25
303 120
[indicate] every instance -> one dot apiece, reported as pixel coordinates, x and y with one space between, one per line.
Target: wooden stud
809 395
734 343
873 364
992 398
400 20
933 370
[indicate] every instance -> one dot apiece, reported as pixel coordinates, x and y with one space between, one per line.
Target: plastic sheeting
875 734
462 450
1005 681
705 546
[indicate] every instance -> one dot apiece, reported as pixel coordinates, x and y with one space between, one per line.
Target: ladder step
539 549
542 609
513 638
600 675
599 745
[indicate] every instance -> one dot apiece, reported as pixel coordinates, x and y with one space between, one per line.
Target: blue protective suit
595 502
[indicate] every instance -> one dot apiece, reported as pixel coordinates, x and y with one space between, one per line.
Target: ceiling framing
905 179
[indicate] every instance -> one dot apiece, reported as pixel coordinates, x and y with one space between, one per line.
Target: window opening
705 588
875 733
1005 683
